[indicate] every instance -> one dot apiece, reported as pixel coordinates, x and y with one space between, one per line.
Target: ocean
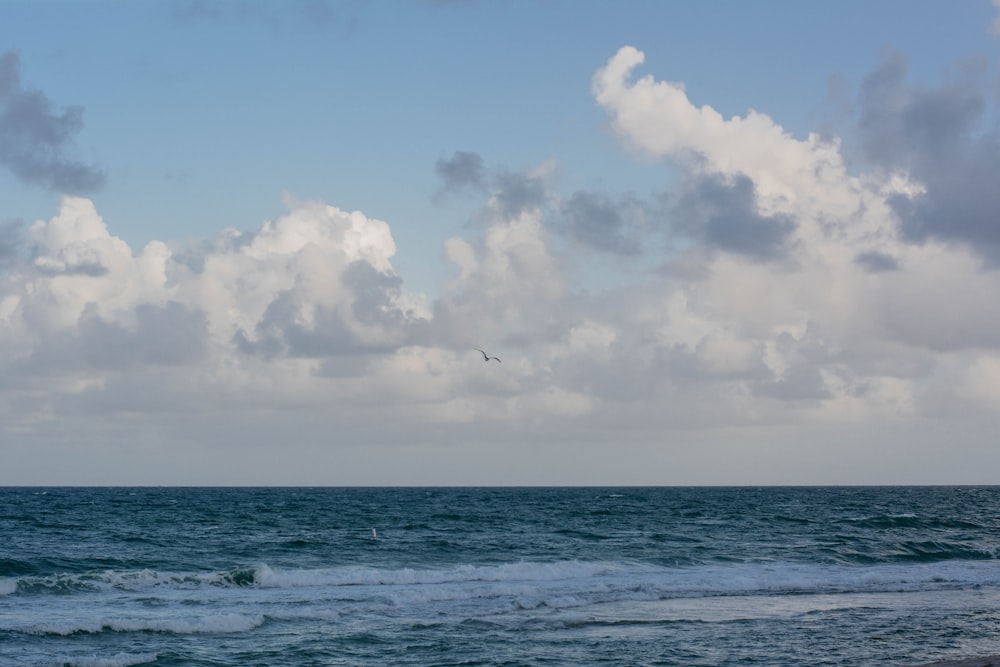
213 577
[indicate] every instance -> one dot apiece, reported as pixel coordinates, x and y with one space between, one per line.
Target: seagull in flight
486 357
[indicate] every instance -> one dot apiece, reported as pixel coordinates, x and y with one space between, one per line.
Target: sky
252 242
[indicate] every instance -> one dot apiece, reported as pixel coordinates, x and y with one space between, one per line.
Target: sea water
95 577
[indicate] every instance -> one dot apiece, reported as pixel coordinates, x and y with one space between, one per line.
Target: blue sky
679 296
202 114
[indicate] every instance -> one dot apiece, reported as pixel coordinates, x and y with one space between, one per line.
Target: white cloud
657 117
296 264
508 281
89 313
77 263
306 313
818 306
805 178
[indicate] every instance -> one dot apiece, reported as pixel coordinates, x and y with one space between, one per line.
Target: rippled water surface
580 576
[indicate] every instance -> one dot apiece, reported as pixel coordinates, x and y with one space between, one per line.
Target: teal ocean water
534 576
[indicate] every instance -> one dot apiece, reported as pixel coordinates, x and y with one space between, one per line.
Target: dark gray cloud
35 138
913 127
801 383
614 224
268 346
462 171
877 262
373 296
517 192
514 191
936 135
598 221
722 212
280 333
960 203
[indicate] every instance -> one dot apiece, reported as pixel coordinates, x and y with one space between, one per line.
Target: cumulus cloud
825 322
315 283
35 138
656 117
304 312
508 280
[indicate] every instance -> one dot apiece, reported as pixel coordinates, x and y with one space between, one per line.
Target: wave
263 576
587 579
192 625
240 600
369 576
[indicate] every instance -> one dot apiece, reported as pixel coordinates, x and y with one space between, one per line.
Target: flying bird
487 357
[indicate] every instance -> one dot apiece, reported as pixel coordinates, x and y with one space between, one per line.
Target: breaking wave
587 579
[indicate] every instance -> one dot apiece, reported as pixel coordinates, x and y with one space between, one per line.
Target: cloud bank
790 292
